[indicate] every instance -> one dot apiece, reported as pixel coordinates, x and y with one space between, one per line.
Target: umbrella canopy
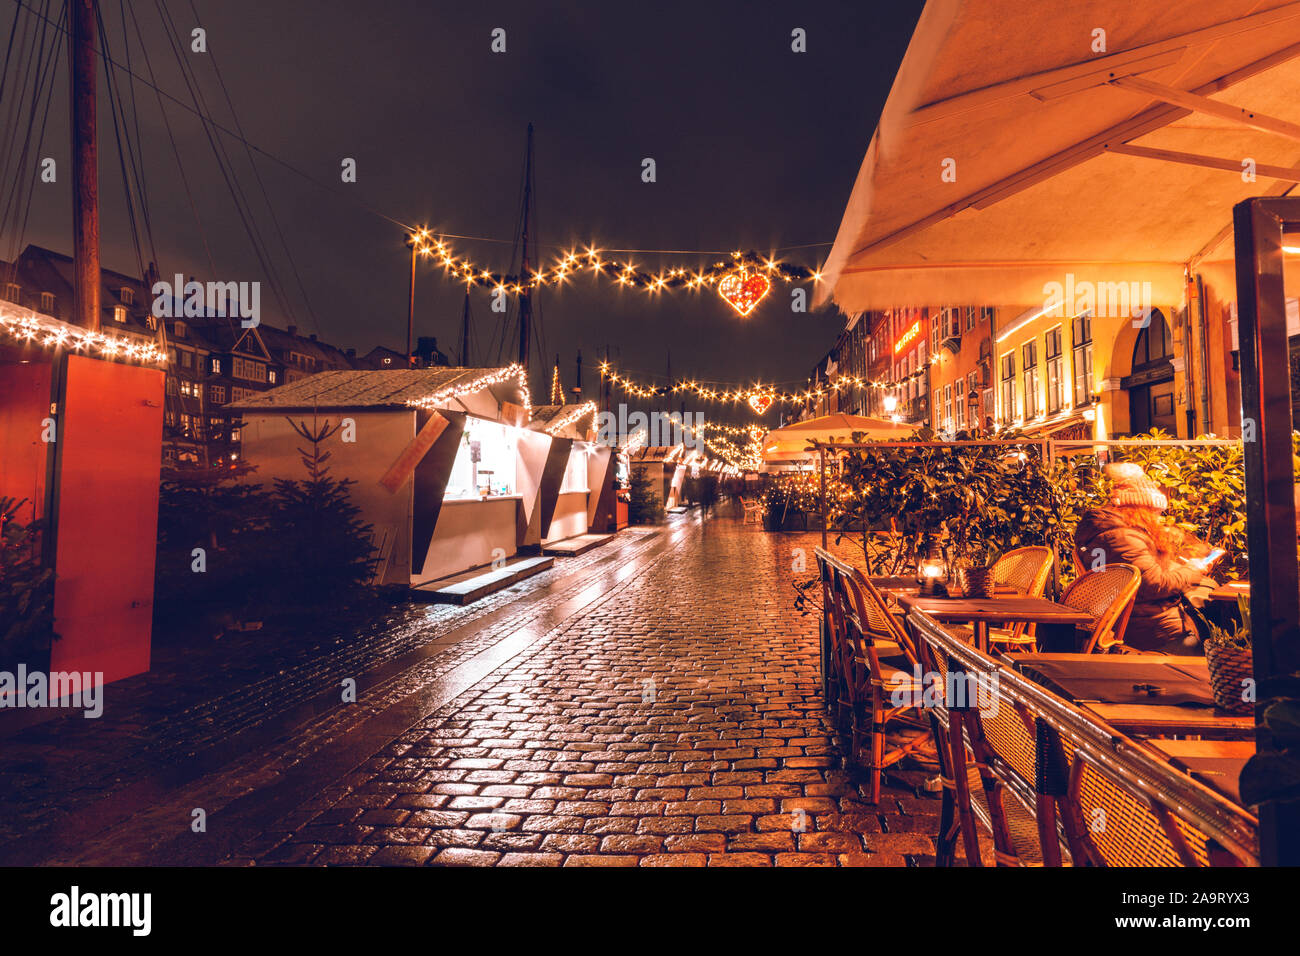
1021 146
791 442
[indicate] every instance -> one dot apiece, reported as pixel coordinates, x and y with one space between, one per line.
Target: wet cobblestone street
654 702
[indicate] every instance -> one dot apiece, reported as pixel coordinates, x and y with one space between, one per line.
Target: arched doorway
1150 384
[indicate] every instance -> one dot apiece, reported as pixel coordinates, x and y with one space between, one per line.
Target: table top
1230 591
1112 687
1215 763
1012 608
1156 720
1121 678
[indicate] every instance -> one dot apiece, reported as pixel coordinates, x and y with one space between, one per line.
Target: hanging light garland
489 378
28 326
758 397
743 281
571 416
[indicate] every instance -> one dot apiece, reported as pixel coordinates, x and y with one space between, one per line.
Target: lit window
1009 387
1030 354
1081 339
1055 382
216 366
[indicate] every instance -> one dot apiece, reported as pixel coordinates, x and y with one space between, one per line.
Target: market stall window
485 461
575 473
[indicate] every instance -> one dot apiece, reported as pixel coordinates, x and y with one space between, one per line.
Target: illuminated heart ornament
760 401
743 290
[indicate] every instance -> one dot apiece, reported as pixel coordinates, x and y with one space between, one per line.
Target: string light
571 416
745 393
743 281
489 378
28 326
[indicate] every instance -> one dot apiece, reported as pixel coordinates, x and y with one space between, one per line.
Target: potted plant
1228 655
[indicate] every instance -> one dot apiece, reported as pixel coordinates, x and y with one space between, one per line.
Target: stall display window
485 461
575 472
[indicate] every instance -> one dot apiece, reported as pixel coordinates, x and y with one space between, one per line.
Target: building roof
384 388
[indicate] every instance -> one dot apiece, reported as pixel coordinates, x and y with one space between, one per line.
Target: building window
937 323
247 370
1029 354
127 295
270 376
1009 387
119 314
152 322
185 359
13 292
179 330
1055 372
947 407
47 302
218 393
1081 338
216 366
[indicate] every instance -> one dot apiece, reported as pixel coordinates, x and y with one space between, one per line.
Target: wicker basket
979 583
1229 667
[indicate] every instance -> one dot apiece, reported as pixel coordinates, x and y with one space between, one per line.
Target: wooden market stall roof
1018 144
387 388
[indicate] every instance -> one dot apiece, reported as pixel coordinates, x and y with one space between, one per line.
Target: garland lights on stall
28 326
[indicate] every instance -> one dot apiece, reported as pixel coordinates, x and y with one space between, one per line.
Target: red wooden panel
109 449
24 404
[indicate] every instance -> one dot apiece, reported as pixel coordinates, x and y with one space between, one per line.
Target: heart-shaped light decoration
743 290
760 401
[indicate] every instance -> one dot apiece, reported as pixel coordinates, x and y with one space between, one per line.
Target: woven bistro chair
1055 785
1107 595
874 662
1027 570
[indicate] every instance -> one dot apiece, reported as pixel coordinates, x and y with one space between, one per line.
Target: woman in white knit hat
1129 530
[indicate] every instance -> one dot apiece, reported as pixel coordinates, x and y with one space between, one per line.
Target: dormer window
127 295
119 314
47 302
179 330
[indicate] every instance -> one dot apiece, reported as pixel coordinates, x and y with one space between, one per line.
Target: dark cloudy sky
756 147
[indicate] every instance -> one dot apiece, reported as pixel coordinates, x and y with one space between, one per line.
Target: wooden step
578 544
472 585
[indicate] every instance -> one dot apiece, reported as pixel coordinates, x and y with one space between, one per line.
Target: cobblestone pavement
676 722
653 703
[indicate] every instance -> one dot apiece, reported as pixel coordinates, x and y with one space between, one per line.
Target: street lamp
973 404
891 404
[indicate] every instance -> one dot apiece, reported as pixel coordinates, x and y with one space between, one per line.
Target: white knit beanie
1131 486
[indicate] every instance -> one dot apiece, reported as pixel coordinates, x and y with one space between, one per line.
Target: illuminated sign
907 336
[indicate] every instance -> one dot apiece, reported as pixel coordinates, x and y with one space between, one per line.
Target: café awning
791 442
1019 144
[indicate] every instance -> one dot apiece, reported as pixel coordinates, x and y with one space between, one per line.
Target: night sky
755 146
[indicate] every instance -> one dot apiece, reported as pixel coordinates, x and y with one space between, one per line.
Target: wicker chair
872 663
1026 570
1055 785
1107 595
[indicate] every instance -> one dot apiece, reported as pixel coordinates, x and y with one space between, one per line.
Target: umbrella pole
821 467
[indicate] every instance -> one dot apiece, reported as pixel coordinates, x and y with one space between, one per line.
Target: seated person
1128 530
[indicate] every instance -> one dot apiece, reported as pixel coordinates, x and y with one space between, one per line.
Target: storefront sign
907 336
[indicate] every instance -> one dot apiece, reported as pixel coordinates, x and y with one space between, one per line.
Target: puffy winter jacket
1157 617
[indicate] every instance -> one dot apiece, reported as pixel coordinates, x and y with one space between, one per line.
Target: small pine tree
644 506
325 546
